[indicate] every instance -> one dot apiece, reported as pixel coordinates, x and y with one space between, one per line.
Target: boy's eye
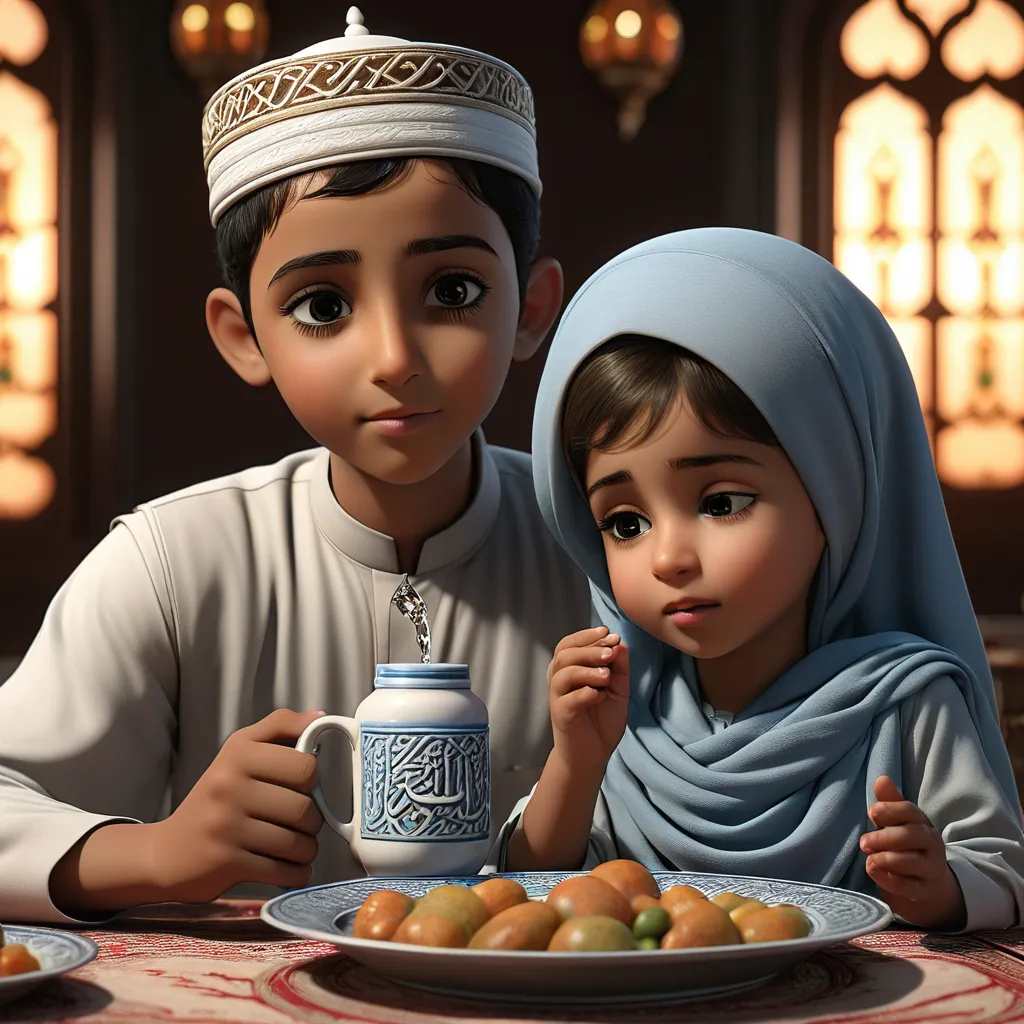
720 506
454 291
626 525
320 308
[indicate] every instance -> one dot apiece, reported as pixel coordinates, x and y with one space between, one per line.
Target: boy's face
723 523
388 320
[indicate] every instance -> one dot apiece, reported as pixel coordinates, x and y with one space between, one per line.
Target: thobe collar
377 550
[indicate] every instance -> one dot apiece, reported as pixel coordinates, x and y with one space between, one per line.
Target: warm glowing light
980 206
27 419
32 347
977 454
628 24
935 13
915 337
595 28
27 485
882 211
28 285
668 26
968 366
963 362
195 18
877 39
239 17
23 31
990 39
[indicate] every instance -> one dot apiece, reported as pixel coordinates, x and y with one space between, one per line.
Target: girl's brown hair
622 391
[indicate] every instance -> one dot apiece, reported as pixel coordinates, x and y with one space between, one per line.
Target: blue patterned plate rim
84 950
823 935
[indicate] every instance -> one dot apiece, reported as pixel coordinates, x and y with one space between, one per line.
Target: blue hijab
783 791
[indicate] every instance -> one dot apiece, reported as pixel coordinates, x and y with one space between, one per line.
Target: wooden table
220 963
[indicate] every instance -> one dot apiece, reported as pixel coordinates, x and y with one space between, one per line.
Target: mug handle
308 744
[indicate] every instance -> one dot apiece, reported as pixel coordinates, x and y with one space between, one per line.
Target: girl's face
711 543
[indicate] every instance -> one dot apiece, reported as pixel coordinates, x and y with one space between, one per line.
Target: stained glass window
929 218
28 268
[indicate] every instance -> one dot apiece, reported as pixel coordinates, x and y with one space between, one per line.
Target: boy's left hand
907 860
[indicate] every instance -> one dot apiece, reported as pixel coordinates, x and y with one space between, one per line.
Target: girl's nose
674 555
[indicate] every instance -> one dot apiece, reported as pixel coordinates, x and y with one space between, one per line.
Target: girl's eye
320 308
454 291
725 504
625 525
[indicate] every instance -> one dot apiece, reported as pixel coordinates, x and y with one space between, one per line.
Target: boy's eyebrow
425 246
623 476
331 258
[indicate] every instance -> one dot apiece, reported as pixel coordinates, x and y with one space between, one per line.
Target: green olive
652 923
648 942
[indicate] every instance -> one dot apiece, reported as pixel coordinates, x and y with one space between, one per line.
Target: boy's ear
543 300
234 340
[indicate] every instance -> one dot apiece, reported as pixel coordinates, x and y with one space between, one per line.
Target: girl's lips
692 615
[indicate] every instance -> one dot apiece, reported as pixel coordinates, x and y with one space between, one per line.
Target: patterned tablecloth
221 963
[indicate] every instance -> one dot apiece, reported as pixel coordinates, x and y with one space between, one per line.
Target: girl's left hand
907 860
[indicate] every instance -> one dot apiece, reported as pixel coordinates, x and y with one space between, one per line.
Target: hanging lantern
214 40
633 47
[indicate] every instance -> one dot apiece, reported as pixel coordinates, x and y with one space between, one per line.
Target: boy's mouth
397 422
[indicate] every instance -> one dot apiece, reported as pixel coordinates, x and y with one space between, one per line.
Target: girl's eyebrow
623 476
693 461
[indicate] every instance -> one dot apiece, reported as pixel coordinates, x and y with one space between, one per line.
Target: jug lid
416 675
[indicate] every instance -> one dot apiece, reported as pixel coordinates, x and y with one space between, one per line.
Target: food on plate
702 923
728 901
612 908
381 914
639 903
447 915
500 893
528 925
15 958
629 877
587 896
773 924
748 907
651 923
593 934
676 897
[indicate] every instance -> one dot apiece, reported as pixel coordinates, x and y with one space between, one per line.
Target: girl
789 657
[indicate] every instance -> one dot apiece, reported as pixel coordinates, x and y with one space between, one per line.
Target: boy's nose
394 356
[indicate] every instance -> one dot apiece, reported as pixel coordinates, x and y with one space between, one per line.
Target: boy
376 207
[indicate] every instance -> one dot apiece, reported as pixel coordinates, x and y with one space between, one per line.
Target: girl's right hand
588 688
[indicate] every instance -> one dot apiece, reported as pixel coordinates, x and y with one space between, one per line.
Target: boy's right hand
249 818
588 681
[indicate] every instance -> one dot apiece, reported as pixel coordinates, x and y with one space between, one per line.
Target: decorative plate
57 952
326 913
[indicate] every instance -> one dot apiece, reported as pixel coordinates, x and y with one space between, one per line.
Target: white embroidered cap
360 97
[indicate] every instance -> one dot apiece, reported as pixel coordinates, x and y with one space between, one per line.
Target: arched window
906 168
28 267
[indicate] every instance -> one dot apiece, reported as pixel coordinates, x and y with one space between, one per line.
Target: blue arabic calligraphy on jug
421 766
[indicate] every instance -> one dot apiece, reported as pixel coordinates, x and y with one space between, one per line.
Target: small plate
57 952
326 913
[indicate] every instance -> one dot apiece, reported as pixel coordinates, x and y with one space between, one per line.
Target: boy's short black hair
242 228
